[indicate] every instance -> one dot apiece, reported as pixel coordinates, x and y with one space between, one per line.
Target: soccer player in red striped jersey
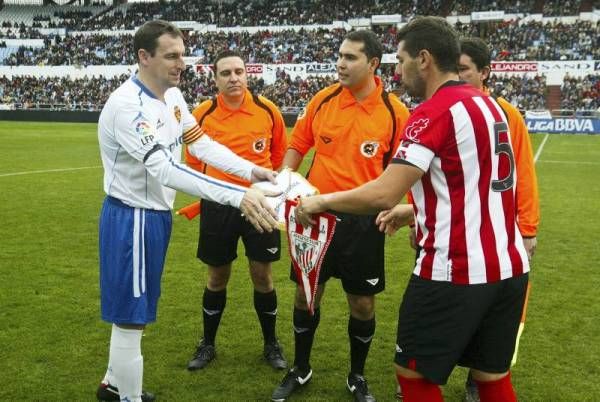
463 303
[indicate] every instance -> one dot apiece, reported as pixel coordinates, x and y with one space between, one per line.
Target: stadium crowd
284 12
530 41
525 93
286 92
581 93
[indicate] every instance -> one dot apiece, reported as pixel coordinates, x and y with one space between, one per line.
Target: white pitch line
571 162
539 151
48 171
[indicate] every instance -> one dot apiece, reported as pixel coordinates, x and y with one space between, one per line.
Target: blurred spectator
523 92
581 93
530 41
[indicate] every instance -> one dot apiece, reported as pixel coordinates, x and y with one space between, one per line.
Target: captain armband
192 135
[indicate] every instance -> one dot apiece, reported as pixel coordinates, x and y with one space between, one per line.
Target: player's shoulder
397 104
267 102
202 108
327 92
126 98
508 107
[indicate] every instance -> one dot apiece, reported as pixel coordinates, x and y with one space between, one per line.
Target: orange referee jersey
255 131
527 196
353 140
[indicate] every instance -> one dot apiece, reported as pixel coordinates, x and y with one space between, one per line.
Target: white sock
126 362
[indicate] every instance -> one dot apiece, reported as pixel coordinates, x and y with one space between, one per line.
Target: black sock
213 304
305 326
265 305
360 333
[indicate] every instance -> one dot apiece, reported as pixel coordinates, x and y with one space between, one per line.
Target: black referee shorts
355 255
221 226
441 325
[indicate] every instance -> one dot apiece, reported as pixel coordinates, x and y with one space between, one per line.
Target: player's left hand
391 220
530 244
261 174
307 206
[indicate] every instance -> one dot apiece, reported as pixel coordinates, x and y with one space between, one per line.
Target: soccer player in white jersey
141 131
463 303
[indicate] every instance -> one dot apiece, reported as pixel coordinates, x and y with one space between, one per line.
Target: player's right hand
257 211
259 174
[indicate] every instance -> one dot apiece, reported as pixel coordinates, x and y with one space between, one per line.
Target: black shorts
441 325
355 255
221 226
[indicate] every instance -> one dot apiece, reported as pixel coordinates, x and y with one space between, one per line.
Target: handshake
268 212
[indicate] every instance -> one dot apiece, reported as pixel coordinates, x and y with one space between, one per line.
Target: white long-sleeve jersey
140 144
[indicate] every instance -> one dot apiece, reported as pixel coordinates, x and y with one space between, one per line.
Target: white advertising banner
514 66
569 66
487 15
387 19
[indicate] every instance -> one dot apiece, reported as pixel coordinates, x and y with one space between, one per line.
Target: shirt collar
143 88
245 107
369 103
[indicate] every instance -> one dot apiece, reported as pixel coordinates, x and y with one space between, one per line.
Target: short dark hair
146 37
436 36
224 54
478 51
371 45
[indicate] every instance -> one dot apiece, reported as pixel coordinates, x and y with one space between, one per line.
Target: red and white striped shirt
464 204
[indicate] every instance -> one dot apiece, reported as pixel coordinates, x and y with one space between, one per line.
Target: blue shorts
133 246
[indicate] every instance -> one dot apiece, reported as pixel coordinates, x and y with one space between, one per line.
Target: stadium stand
97 34
531 41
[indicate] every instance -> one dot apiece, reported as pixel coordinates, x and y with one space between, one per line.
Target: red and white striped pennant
307 247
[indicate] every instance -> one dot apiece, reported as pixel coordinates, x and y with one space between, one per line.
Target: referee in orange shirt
354 127
252 127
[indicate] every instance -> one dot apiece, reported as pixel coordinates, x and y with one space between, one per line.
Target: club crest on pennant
307 248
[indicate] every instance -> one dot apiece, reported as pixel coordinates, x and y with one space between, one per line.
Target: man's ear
374 63
143 56
424 59
485 72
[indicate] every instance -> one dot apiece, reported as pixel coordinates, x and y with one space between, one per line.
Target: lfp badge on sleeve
307 247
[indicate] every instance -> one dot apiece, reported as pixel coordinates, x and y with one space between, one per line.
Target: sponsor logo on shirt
415 128
143 128
159 124
326 140
259 145
177 113
369 148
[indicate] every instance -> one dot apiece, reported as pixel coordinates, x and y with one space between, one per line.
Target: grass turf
56 347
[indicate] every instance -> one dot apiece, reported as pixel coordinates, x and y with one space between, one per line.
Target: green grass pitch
54 345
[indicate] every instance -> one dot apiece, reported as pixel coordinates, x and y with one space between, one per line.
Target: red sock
419 390
496 391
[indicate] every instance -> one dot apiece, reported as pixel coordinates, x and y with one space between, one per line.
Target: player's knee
300 299
218 277
262 277
362 307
